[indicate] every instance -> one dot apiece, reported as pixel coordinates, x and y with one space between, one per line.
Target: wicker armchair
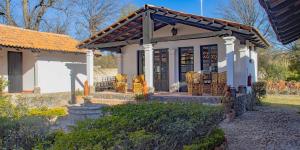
121 83
139 85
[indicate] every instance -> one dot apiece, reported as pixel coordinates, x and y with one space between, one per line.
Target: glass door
186 64
209 61
161 69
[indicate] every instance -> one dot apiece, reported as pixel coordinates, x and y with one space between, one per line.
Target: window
209 58
140 62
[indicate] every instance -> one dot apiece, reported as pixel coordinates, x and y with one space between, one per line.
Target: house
284 16
40 62
165 44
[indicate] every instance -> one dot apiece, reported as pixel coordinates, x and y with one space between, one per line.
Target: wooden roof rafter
284 16
124 30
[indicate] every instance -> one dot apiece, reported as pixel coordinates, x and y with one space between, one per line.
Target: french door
160 68
186 64
209 61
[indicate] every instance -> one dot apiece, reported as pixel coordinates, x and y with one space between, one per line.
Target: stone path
268 128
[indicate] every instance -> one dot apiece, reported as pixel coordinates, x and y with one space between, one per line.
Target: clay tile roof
29 39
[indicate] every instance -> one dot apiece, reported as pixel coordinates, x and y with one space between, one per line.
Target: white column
119 62
229 43
148 48
172 70
90 67
37 88
255 63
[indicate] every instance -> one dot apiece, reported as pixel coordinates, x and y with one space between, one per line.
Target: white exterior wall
3 63
54 72
61 72
28 61
129 55
28 70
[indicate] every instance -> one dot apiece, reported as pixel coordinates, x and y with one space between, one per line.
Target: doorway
15 71
186 64
161 69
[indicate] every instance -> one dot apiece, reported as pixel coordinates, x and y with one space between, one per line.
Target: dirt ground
270 127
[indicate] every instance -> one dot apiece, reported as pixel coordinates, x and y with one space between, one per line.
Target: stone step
81 112
110 102
114 96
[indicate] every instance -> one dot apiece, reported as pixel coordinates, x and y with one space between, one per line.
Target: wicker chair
139 85
121 83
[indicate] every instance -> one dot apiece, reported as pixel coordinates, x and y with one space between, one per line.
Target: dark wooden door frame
162 86
201 53
140 53
179 66
15 71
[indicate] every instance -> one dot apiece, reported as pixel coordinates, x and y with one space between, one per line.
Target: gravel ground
267 128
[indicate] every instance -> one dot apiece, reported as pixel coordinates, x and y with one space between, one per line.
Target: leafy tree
295 62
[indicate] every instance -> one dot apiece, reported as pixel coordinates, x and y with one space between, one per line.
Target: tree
92 15
247 12
127 10
295 62
33 12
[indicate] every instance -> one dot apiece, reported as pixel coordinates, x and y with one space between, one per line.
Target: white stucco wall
3 63
61 72
28 61
54 72
129 54
28 70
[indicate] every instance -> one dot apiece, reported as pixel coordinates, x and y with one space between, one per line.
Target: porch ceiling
130 29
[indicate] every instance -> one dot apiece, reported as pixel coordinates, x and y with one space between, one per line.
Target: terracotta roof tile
29 39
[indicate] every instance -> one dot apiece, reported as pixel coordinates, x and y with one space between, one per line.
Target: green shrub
48 112
7 109
3 84
214 139
143 126
23 133
21 128
259 90
140 97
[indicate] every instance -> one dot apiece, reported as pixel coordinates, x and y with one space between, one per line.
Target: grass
286 100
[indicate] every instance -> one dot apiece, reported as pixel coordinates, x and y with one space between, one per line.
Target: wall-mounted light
174 31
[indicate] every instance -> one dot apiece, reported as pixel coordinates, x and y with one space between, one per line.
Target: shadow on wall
75 70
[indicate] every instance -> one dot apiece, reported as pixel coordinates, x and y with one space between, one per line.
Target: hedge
143 126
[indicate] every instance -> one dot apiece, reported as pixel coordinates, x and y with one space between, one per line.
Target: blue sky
189 6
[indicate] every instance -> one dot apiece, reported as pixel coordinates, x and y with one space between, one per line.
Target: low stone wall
242 103
40 100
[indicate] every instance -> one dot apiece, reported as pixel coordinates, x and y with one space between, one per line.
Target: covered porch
164 45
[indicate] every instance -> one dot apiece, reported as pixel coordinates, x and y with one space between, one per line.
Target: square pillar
148 48
229 44
90 70
37 89
119 62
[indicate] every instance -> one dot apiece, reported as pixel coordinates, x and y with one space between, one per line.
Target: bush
259 90
48 112
214 139
143 126
21 128
3 84
23 133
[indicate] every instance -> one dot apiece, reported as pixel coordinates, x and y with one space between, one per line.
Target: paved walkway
268 128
